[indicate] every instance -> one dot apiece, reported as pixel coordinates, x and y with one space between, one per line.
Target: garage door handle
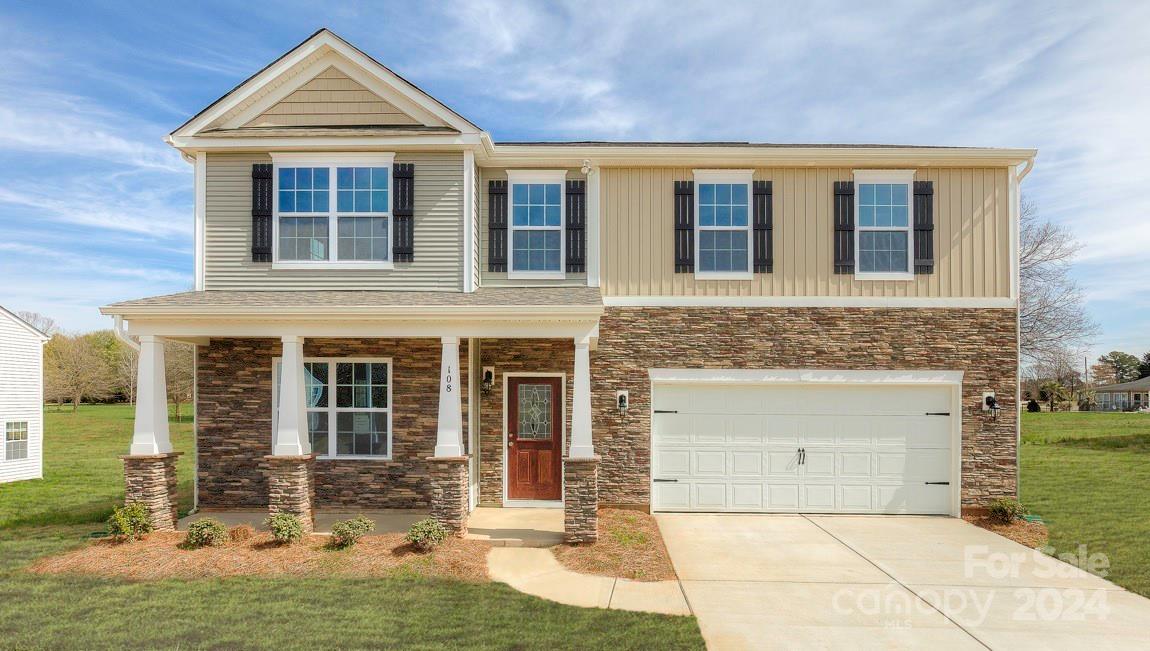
938 483
938 413
665 481
666 411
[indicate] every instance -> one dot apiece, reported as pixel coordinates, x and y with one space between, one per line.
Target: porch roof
1141 384
514 301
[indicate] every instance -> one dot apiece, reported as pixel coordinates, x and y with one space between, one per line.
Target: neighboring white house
21 398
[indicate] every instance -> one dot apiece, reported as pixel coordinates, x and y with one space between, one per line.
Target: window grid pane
884 205
882 251
363 238
361 189
304 189
303 238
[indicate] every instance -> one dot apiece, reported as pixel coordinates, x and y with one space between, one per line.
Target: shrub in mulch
630 546
241 532
346 533
427 534
160 556
129 522
286 528
1023 532
208 532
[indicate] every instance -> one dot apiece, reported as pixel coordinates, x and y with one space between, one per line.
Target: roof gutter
381 313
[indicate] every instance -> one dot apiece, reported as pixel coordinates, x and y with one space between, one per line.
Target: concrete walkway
537 572
888 582
516 527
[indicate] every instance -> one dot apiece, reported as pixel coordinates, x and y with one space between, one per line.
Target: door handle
802 456
511 444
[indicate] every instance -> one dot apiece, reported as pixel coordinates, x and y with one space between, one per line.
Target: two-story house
392 310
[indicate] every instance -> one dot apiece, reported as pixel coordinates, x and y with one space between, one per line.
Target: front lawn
1087 475
83 479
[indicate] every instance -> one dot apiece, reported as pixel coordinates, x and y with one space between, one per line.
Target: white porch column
290 437
449 437
150 433
581 446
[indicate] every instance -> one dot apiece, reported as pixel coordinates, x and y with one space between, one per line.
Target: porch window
347 197
15 440
537 217
348 406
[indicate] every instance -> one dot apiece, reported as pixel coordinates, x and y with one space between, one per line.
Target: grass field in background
1088 476
83 479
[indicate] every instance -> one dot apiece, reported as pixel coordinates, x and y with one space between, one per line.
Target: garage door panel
867 449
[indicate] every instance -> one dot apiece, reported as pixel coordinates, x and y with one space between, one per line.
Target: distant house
1126 396
21 398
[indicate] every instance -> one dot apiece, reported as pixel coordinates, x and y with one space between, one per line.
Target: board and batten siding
438 263
493 279
972 236
21 396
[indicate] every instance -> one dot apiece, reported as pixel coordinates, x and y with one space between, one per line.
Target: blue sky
95 208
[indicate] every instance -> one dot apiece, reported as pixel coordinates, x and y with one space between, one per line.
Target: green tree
1053 393
1144 366
1126 366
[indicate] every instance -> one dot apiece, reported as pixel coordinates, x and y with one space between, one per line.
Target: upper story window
537 220
346 197
883 238
723 208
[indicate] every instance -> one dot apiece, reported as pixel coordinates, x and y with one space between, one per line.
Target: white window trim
886 176
734 177
27 430
518 177
332 410
332 161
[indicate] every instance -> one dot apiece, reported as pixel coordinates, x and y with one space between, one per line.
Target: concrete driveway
883 582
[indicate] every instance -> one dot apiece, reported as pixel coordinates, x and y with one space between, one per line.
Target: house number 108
447 379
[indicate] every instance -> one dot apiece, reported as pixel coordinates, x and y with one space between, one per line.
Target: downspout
122 334
1018 176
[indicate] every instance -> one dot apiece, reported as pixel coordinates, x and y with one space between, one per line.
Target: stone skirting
291 487
580 500
150 479
449 492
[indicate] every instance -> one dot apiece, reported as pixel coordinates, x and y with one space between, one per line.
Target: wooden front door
534 438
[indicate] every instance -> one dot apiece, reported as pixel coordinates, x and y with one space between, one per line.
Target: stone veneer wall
516 356
234 412
980 342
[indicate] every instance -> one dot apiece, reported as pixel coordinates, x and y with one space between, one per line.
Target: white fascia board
193 144
321 158
801 376
216 328
809 301
379 313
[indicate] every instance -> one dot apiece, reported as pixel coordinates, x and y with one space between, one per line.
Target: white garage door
802 448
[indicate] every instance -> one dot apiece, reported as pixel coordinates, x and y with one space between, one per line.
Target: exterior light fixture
622 401
488 382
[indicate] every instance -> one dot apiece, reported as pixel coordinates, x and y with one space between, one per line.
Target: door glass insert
535 412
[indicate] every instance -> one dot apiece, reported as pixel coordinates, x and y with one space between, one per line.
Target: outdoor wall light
488 382
622 400
990 404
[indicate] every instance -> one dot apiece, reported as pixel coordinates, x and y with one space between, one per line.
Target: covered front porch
378 404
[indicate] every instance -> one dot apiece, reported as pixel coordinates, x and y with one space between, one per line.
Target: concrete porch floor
502 527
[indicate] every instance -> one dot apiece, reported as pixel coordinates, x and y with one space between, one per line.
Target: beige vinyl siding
493 279
438 263
971 221
331 98
21 396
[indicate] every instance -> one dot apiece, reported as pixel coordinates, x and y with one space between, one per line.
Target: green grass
1087 475
83 479
83 474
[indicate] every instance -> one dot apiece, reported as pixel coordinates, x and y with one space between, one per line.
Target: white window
883 216
15 440
536 203
348 406
723 224
333 211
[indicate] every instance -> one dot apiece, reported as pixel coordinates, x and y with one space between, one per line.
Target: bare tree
178 360
1052 314
74 369
124 370
44 324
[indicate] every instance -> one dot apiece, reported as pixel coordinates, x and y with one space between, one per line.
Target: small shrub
426 534
130 522
241 533
286 528
1006 510
208 532
1032 406
348 532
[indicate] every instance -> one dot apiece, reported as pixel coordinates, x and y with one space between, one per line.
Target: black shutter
764 225
844 227
497 226
684 227
576 226
403 211
262 212
923 227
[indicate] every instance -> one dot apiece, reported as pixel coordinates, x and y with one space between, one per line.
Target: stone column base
291 487
581 500
449 492
150 479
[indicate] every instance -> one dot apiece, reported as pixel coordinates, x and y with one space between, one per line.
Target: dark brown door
534 438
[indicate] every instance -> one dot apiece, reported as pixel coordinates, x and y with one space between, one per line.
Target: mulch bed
1031 534
159 556
630 546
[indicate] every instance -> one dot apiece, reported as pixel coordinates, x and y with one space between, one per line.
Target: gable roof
318 52
5 312
1141 384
